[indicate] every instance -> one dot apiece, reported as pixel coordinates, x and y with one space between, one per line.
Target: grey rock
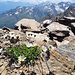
68 49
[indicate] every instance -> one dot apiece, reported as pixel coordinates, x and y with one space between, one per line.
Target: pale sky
39 1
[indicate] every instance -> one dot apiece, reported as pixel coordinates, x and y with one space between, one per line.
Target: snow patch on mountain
67 7
58 9
16 13
6 14
71 12
63 5
10 15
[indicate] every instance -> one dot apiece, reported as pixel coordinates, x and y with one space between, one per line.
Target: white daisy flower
1 49
12 37
18 36
44 48
46 38
11 33
5 36
50 47
43 55
21 58
29 44
34 35
34 44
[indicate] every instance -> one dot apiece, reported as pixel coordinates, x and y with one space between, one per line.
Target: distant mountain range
36 12
55 8
5 6
70 12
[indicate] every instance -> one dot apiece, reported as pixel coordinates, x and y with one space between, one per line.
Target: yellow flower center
17 37
43 55
28 34
34 35
6 37
22 59
45 40
12 33
43 49
12 37
50 48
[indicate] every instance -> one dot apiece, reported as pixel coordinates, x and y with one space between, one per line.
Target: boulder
59 32
46 22
27 24
7 29
57 26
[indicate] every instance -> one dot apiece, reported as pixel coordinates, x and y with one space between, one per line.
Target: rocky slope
52 68
61 60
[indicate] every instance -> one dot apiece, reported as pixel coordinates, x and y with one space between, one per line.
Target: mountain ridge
8 5
67 13
36 12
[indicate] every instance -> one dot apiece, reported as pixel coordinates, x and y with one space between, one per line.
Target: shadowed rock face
67 22
60 35
16 27
24 27
72 28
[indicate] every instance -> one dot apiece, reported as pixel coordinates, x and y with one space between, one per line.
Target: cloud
39 1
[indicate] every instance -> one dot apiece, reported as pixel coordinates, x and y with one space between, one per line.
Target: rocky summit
56 40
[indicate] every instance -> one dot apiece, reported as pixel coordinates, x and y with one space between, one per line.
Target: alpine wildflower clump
24 53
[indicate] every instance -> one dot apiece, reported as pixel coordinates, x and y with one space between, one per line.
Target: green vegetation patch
23 53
